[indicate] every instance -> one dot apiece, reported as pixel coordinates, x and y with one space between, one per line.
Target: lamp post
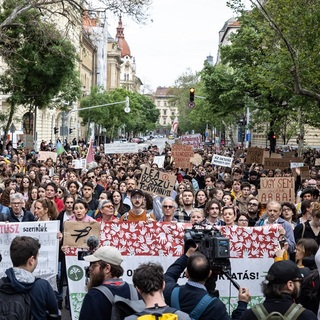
126 110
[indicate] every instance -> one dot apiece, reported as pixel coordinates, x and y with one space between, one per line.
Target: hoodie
41 294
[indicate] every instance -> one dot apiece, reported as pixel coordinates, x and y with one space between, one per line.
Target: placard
79 163
317 162
197 159
46 232
289 154
222 161
272 163
159 160
192 139
44 155
76 233
182 155
254 155
154 181
279 189
118 148
296 165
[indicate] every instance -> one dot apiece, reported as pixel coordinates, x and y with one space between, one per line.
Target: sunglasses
168 207
109 206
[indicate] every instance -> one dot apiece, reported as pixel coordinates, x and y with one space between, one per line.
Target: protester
148 279
137 213
24 254
190 294
183 215
105 269
168 208
280 288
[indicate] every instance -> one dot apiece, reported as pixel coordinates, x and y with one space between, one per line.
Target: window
164 112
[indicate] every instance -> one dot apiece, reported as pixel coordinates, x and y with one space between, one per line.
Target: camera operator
198 272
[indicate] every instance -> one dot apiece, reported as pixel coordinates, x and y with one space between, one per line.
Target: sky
183 33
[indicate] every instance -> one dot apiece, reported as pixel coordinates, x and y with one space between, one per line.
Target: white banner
120 148
46 232
251 252
222 161
296 165
159 160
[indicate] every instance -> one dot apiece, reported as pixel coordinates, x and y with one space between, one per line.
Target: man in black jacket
281 288
17 213
198 271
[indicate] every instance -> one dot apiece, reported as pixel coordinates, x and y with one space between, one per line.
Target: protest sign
76 233
289 154
44 155
273 163
222 161
156 182
254 155
79 163
118 148
159 160
317 162
46 232
251 255
182 155
279 189
195 140
196 159
296 165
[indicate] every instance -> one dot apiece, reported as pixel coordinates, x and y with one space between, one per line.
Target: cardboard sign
317 162
197 159
272 163
289 154
118 148
222 161
181 154
154 181
194 140
159 160
44 155
279 189
255 155
77 233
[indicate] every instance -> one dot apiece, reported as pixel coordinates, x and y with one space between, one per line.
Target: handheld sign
182 155
158 182
76 233
222 161
255 155
279 189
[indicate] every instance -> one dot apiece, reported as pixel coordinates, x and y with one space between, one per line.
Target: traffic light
191 91
55 130
273 141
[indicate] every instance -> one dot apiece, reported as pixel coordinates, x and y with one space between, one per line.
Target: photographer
198 272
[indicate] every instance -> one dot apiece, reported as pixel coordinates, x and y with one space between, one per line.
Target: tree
41 64
142 117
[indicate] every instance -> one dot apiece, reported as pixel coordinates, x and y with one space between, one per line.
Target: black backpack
13 305
309 292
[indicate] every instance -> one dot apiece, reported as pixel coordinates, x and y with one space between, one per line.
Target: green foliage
142 117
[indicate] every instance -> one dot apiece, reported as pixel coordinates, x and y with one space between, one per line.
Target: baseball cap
283 271
107 254
137 191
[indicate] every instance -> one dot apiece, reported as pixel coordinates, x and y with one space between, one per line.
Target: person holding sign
272 216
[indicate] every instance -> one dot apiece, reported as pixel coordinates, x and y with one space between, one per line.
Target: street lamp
126 110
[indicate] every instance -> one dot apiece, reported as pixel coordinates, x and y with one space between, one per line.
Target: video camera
212 244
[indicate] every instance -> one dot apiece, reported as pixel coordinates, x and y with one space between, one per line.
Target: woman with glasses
62 192
289 213
242 220
106 208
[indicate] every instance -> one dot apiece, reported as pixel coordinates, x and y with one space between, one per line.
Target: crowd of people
205 195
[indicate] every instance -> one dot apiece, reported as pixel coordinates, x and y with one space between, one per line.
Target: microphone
92 243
